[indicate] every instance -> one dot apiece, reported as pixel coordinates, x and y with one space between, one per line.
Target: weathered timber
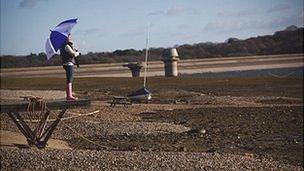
51 104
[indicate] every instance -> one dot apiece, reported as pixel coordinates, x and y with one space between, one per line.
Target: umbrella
58 36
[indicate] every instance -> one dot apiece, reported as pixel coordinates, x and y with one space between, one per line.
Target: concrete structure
135 68
170 58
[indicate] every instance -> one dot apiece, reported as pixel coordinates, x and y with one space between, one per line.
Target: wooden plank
51 104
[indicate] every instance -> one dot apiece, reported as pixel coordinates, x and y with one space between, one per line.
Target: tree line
281 42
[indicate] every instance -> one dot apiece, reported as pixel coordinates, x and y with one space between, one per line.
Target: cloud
232 25
175 10
287 21
279 7
224 26
28 3
193 11
159 12
235 14
132 33
236 25
224 14
88 31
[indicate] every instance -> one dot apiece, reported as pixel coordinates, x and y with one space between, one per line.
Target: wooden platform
51 104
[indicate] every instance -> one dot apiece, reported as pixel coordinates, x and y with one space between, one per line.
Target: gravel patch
94 127
45 94
126 128
142 128
33 159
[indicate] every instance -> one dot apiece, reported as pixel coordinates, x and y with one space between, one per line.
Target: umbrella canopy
58 36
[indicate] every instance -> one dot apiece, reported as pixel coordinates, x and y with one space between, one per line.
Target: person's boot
69 95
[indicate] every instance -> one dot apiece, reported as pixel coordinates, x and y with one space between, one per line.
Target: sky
108 25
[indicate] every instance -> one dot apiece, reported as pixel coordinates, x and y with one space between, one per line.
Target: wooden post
47 134
22 126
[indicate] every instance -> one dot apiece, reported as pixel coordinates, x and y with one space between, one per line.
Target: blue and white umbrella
58 37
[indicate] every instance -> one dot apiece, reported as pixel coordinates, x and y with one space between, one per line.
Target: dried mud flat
213 128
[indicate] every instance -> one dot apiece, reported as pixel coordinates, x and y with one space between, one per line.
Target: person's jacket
68 54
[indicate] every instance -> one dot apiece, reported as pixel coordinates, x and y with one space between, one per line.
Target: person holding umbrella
68 55
60 39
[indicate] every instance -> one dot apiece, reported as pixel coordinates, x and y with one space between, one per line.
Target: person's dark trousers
69 79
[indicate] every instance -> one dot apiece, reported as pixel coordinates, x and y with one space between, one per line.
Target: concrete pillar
135 68
170 58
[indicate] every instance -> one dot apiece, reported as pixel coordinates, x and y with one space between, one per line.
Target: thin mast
146 58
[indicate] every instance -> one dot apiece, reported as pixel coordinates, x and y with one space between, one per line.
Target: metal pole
146 58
